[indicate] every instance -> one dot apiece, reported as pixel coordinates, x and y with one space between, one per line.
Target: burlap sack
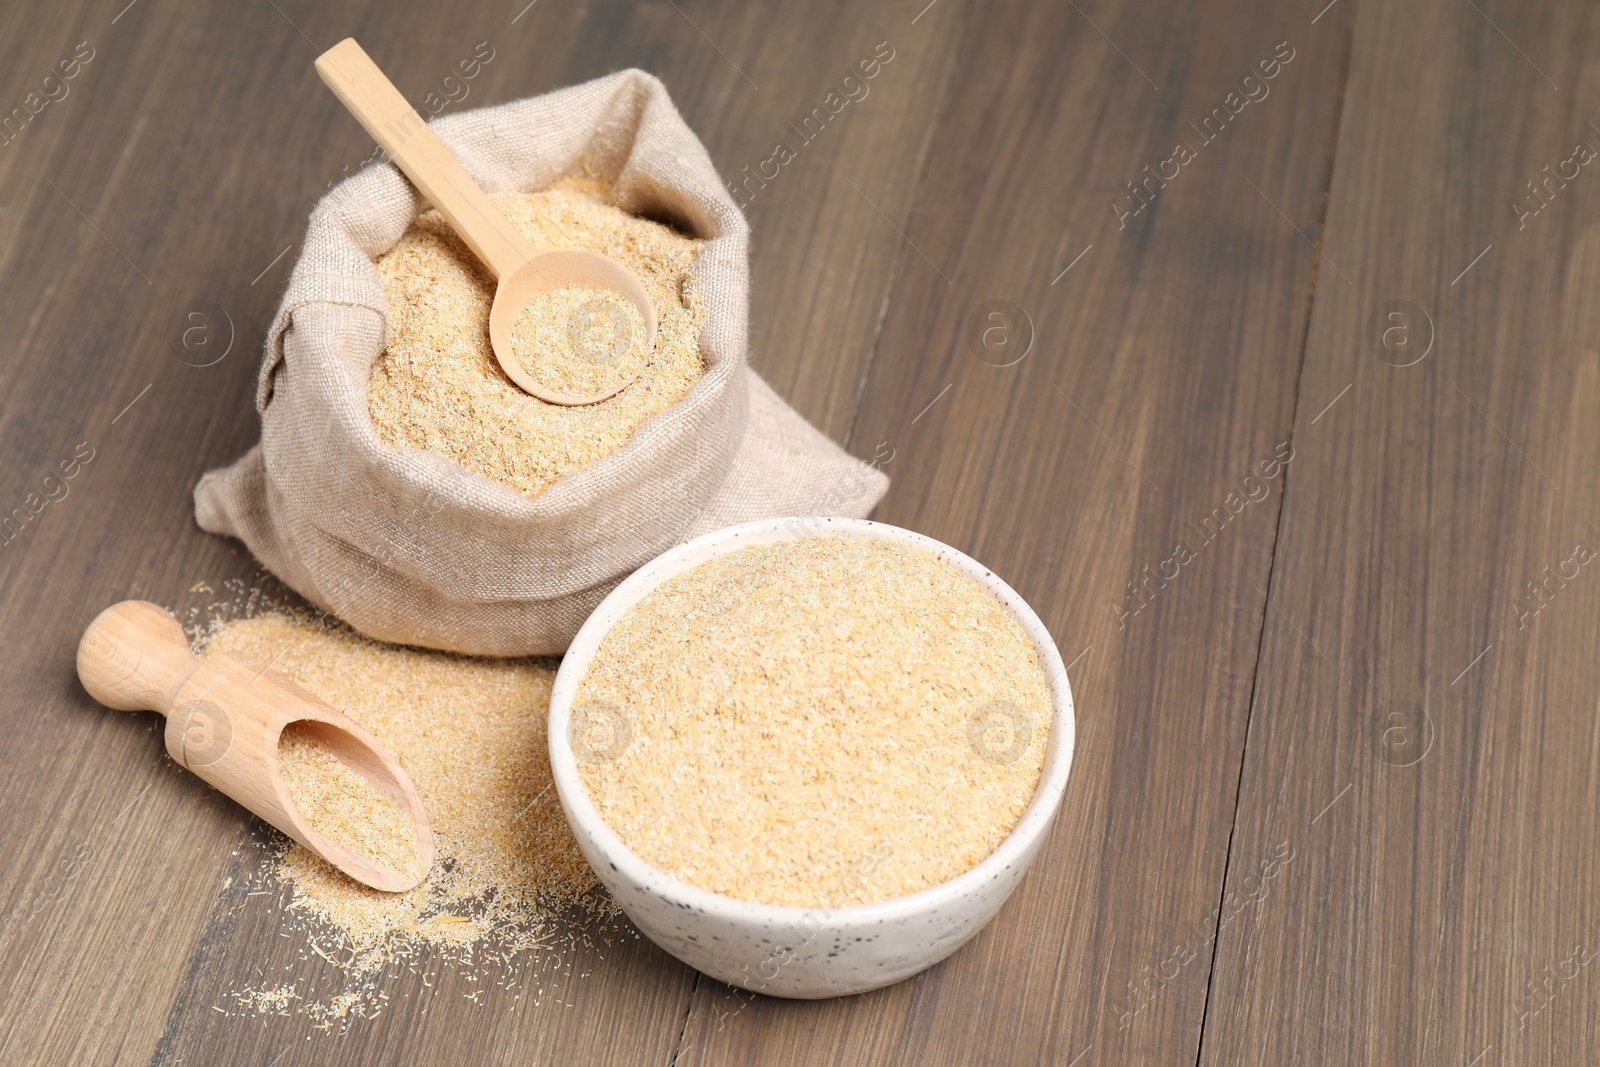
408 547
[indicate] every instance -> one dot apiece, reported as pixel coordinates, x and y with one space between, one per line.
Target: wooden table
1256 344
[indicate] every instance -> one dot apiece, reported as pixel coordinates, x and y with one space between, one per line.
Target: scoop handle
134 657
358 83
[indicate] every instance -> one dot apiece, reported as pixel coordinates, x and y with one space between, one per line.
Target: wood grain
1424 734
1163 371
127 903
89 936
1373 794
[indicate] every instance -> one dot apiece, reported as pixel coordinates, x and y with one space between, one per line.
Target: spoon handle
135 657
358 83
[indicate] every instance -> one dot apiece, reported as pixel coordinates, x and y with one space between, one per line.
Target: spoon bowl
545 273
522 269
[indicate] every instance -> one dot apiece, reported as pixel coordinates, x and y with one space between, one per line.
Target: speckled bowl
804 952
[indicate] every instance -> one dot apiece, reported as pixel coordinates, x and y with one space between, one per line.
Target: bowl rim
1015 848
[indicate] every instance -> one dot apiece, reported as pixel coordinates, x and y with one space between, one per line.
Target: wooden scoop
224 715
523 269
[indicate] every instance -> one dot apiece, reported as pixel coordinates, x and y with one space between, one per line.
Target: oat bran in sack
408 547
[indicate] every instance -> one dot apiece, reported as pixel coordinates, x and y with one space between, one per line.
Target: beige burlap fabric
408 547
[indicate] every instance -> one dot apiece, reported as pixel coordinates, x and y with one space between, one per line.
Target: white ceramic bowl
804 952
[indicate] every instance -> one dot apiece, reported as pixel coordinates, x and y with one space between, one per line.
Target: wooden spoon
224 715
523 269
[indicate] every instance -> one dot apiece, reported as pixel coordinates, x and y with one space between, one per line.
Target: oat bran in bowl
811 757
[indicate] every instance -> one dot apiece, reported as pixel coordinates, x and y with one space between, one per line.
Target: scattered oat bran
471 733
579 341
274 1001
821 721
437 385
338 803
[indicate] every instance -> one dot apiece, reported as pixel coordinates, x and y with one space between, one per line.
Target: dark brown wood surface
1335 788
1425 729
